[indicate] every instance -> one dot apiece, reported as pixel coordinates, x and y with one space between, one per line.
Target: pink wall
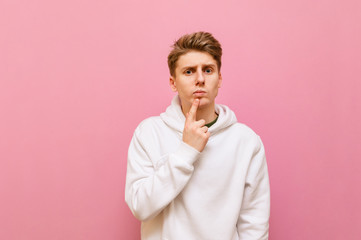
76 77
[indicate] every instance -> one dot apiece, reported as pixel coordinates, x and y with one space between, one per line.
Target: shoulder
148 124
150 128
244 130
246 134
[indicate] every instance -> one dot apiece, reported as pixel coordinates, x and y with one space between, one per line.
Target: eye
188 71
209 70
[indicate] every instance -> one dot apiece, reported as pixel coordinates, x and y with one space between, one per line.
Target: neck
207 112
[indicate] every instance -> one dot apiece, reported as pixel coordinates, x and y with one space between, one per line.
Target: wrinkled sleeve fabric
253 221
151 187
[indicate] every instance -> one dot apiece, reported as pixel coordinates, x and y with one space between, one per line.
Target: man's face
196 76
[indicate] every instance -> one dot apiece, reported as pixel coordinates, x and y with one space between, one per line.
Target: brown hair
199 41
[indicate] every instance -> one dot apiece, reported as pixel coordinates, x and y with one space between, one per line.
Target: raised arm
149 189
151 184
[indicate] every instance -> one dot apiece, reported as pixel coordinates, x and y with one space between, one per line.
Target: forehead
195 58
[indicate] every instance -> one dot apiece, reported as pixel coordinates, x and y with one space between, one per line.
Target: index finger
193 111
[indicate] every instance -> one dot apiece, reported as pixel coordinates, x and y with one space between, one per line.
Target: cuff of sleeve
187 153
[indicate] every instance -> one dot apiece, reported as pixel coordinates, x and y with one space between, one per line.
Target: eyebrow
205 65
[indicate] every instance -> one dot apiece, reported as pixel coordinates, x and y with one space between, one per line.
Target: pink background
77 77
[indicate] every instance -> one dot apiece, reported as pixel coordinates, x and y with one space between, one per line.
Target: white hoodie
177 192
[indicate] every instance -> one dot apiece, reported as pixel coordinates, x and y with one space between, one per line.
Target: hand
195 133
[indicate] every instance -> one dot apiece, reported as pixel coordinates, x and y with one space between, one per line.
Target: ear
219 80
172 84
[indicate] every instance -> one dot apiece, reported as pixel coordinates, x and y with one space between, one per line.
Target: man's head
194 64
198 41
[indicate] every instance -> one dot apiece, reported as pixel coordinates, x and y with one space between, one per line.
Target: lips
199 93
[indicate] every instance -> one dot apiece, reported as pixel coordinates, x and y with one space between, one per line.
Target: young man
194 172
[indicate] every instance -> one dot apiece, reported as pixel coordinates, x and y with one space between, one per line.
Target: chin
203 102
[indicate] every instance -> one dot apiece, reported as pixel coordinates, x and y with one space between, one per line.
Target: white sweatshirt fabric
221 193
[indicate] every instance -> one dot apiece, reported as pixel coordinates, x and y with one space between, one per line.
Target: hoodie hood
175 119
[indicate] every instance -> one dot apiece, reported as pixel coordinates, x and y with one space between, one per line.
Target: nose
200 77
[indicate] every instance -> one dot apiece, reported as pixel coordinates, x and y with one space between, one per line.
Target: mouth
199 93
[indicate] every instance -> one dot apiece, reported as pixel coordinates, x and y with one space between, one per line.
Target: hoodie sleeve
253 221
150 189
